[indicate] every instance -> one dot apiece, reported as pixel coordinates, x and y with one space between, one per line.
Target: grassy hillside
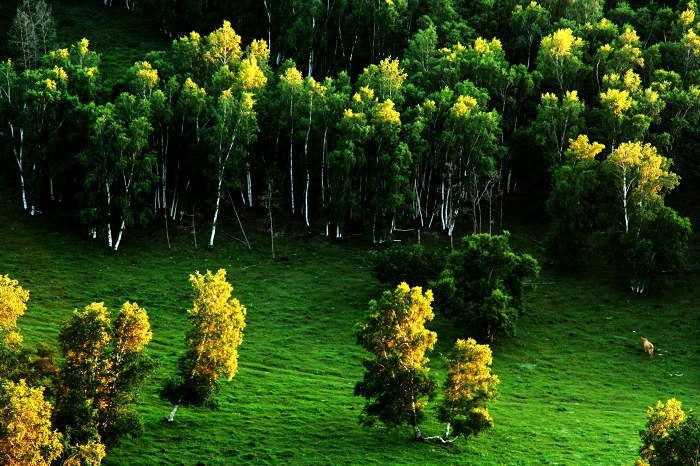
575 382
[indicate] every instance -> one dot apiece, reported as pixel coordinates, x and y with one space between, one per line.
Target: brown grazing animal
648 347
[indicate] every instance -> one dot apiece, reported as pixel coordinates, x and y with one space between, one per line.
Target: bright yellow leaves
485 47
385 79
292 77
132 330
224 45
469 372
643 173
250 75
581 150
618 101
688 16
464 105
217 322
87 336
661 420
468 387
396 326
561 43
259 50
13 304
27 438
145 78
385 113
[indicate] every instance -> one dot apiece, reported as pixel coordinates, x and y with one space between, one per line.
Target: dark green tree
484 284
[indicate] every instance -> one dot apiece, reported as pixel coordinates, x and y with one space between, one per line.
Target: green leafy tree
469 388
119 166
212 342
642 178
26 437
559 59
396 380
557 123
574 202
531 22
483 285
235 83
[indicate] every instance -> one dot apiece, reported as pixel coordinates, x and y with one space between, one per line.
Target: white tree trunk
119 236
249 179
171 417
216 217
19 157
109 215
291 150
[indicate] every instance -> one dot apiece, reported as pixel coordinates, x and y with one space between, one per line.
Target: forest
379 121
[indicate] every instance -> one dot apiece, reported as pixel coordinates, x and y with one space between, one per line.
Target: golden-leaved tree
13 304
396 380
469 387
105 364
26 436
212 342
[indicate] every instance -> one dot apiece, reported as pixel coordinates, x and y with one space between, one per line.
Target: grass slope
575 382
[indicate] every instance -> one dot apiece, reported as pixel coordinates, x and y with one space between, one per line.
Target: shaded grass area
120 37
575 381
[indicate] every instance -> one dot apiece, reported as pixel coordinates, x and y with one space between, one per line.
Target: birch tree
531 21
469 388
396 381
212 342
575 202
105 364
235 82
651 234
13 304
556 123
560 59
118 165
26 435
292 87
33 32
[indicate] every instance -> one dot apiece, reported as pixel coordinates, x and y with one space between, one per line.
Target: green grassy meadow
575 382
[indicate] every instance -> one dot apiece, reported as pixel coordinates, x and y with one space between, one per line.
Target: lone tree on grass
396 381
212 342
105 364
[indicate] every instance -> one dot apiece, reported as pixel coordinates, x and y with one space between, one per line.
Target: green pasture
575 382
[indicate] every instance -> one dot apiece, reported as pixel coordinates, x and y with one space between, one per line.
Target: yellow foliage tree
217 321
13 304
469 386
559 58
105 362
26 438
396 380
661 419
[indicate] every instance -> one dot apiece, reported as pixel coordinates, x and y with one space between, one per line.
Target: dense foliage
479 286
371 116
